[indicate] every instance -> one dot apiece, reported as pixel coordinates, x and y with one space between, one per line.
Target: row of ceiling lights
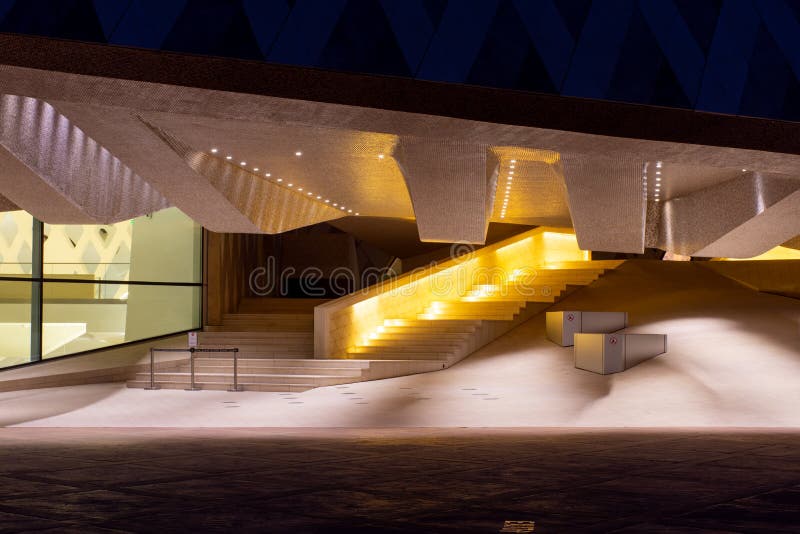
509 182
292 185
657 185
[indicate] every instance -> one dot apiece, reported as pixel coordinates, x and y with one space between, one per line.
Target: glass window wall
102 285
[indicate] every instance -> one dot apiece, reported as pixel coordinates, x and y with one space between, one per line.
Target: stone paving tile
93 506
14 523
245 519
341 504
414 480
106 476
744 517
20 487
759 462
24 461
660 528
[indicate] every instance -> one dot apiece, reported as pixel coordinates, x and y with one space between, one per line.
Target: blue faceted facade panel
726 56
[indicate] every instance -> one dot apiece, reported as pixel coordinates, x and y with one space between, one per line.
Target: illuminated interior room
324 266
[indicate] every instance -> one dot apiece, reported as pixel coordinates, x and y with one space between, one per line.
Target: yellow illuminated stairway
449 329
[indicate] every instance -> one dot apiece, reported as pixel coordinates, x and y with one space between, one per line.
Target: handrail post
152 385
192 387
236 386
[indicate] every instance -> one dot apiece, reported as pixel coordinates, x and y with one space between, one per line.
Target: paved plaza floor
399 480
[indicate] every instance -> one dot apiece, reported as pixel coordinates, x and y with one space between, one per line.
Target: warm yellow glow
456 289
777 253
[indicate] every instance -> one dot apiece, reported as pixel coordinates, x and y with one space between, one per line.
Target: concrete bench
614 353
563 325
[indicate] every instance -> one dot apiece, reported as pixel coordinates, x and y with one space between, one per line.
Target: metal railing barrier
192 350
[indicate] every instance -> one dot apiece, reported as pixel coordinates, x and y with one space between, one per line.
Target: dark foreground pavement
390 480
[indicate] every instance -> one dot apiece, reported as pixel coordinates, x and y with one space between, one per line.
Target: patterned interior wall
727 56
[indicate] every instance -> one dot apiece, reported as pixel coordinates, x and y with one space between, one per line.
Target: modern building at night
353 191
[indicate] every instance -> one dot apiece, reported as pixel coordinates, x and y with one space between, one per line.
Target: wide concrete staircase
275 339
450 329
299 344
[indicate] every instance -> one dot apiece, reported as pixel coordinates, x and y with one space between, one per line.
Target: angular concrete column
740 218
451 185
63 175
606 202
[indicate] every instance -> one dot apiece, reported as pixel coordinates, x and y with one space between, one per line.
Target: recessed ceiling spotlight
510 172
214 150
512 166
298 153
228 157
658 200
513 161
341 208
357 213
508 187
299 188
658 178
290 185
268 174
658 172
658 164
744 170
310 193
255 169
335 204
278 180
242 163
327 201
349 211
380 156
318 197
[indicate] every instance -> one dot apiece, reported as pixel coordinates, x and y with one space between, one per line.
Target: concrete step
423 335
313 362
272 334
223 386
429 329
268 305
511 298
458 311
398 353
245 327
393 356
412 342
259 369
307 339
200 378
425 323
475 304
452 317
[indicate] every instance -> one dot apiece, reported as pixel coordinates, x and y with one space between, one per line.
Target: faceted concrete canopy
89 148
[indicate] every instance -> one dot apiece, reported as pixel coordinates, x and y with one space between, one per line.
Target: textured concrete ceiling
87 182
450 174
707 222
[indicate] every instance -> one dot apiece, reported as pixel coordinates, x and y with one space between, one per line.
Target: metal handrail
191 351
